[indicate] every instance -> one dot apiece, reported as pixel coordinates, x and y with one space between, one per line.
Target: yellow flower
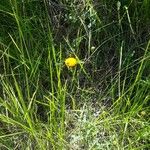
71 62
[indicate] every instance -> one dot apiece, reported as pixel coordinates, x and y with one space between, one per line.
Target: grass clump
100 101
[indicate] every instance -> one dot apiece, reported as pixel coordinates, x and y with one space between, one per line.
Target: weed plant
101 103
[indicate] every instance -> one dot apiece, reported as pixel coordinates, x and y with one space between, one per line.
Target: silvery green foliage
89 134
80 13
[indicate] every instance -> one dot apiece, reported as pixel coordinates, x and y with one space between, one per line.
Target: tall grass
102 103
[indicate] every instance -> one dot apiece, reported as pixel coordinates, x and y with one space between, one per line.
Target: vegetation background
102 103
